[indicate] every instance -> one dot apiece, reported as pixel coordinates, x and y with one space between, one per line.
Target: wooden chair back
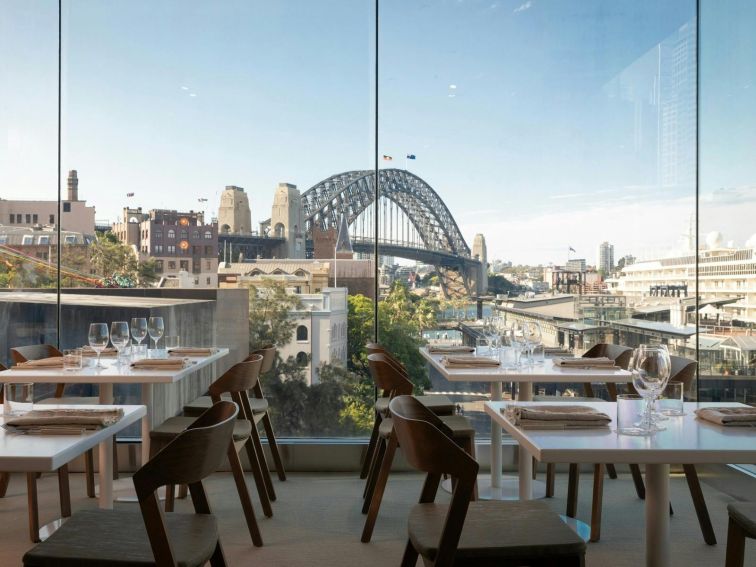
684 370
390 381
428 449
2 394
36 352
618 353
237 381
268 353
375 348
192 456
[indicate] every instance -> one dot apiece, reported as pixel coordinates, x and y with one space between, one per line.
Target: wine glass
650 368
155 328
98 339
119 336
532 333
518 341
139 329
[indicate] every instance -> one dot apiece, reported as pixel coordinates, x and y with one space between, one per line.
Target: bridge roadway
424 255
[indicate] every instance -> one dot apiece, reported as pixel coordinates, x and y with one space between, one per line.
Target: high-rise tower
480 252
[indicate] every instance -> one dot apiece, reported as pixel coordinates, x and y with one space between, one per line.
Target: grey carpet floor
317 522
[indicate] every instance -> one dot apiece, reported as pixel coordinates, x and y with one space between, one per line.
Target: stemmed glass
532 334
119 336
155 328
139 329
518 341
650 367
98 340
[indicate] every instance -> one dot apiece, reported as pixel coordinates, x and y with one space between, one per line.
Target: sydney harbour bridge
414 223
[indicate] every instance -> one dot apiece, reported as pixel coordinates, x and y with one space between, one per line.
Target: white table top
42 453
111 374
545 372
686 439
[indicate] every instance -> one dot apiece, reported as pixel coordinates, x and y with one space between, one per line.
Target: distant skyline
536 122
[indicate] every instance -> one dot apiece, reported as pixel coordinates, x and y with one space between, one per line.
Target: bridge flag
343 243
411 156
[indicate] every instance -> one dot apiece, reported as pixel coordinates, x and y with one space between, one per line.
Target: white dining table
112 374
524 377
47 453
686 439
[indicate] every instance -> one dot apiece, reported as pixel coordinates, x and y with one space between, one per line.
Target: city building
480 252
76 215
575 265
234 215
605 258
184 247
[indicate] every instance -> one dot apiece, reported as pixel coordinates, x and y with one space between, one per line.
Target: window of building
158 235
35 219
27 240
52 219
208 234
19 218
66 207
171 233
44 240
12 218
208 250
69 239
302 358
28 219
195 235
158 266
3 238
183 234
158 248
171 249
208 281
184 265
171 264
208 265
196 281
301 333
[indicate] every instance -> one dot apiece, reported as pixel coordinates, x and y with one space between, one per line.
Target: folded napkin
191 351
450 349
742 417
468 362
41 363
556 350
89 351
558 416
158 364
569 362
83 418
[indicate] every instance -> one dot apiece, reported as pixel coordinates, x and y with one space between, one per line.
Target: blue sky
518 111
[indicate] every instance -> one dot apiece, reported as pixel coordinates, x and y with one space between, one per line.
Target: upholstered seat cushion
459 424
496 529
744 513
71 400
198 406
118 537
440 405
175 425
567 399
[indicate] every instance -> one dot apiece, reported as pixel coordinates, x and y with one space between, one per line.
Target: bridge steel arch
352 192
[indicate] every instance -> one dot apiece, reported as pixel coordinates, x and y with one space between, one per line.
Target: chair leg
374 463
183 491
65 492
640 488
372 478
611 471
170 497
4 481
218 558
89 472
409 559
259 477
694 485
597 502
273 444
380 487
550 479
31 491
241 488
368 458
735 545
534 467
470 449
572 490
257 443
115 459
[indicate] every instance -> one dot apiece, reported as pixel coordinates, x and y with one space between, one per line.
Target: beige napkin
191 351
556 350
468 362
558 416
89 351
742 417
59 417
450 349
158 364
580 362
42 363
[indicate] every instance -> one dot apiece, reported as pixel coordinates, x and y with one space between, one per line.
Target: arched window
301 333
302 358
171 233
195 234
209 233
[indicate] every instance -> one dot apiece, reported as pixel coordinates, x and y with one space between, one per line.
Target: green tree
270 321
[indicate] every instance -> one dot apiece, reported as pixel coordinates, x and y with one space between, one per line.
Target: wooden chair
100 538
235 381
456 427
472 533
440 405
742 525
259 406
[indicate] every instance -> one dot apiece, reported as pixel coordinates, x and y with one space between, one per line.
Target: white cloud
522 7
